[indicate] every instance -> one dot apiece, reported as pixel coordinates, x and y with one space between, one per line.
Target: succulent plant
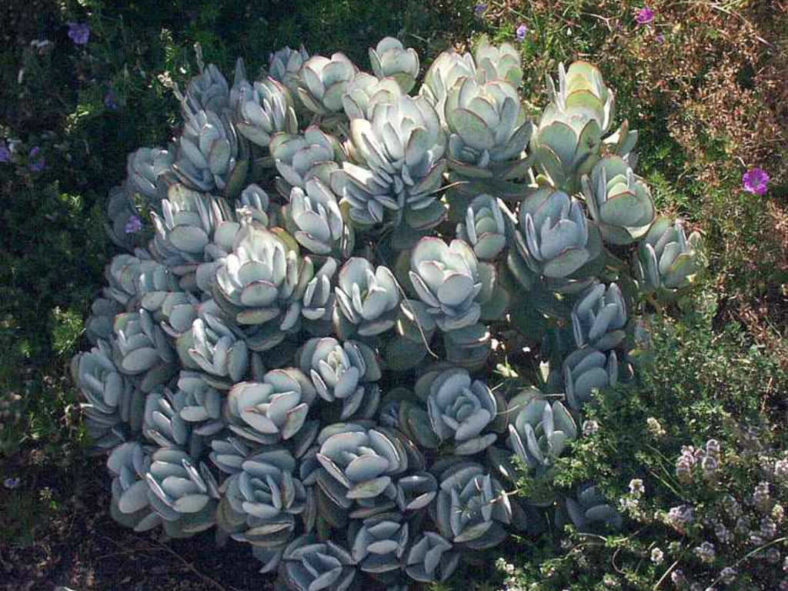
568 139
249 318
188 226
358 465
555 239
488 131
390 58
599 317
299 158
260 285
586 370
319 301
343 372
128 463
207 152
443 74
113 404
177 313
367 298
285 64
208 90
591 509
182 495
273 410
263 109
140 348
317 222
200 403
400 162
214 347
148 171
311 565
460 409
450 281
431 559
98 326
498 62
366 91
379 544
472 507
123 215
254 204
667 260
541 431
123 276
163 423
322 82
266 496
484 227
620 204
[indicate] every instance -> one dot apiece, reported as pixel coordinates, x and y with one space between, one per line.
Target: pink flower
755 181
644 16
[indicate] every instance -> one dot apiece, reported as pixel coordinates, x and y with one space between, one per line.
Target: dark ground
83 549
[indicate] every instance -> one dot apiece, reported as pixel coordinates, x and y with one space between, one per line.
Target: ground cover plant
697 382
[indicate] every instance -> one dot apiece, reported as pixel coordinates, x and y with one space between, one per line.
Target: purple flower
11 483
79 33
644 16
36 161
480 8
520 33
133 225
110 100
660 38
755 180
5 153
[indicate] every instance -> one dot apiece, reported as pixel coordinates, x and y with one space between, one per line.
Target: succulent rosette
460 409
399 154
484 227
391 59
310 565
316 220
450 281
599 317
619 202
366 91
285 64
260 285
272 410
541 431
555 239
472 507
667 260
343 372
322 82
301 157
367 298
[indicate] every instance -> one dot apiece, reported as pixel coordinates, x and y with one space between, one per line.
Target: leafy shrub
291 350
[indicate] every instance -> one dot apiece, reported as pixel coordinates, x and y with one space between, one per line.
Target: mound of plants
351 309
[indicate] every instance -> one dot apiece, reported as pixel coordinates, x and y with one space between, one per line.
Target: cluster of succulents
297 348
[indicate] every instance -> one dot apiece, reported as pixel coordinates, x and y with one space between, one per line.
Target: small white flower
636 487
657 556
